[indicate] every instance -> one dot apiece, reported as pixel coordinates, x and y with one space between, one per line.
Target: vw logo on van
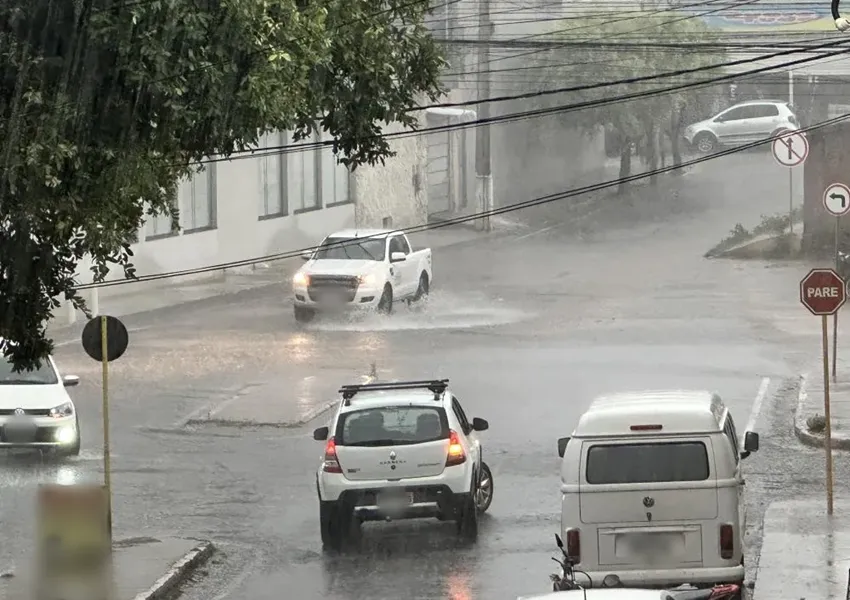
648 502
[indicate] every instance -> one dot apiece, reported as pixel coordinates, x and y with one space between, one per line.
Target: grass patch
777 224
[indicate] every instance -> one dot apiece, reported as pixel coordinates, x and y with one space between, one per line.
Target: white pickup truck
362 268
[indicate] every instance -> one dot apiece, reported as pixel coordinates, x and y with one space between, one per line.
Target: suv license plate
395 501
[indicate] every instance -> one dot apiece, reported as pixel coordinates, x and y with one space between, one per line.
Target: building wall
393 195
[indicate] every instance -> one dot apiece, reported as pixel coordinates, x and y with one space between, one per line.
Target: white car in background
36 411
365 268
742 123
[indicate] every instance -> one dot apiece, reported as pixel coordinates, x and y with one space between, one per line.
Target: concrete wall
396 191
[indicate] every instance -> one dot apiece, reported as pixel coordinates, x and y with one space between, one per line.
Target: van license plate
649 546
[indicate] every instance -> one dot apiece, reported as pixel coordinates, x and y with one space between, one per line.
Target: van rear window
647 463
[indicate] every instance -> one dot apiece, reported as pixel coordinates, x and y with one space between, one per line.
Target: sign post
823 292
836 201
790 150
105 339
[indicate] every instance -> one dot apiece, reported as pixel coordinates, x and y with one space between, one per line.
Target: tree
610 49
107 103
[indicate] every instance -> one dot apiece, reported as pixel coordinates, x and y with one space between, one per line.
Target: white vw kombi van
652 490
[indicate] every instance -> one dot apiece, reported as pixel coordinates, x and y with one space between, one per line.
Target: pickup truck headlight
369 279
63 410
301 280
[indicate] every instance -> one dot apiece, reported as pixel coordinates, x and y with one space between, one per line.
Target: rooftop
677 411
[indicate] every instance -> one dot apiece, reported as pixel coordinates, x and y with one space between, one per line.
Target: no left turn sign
836 199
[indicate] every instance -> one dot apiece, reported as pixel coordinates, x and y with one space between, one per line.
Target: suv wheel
484 493
705 142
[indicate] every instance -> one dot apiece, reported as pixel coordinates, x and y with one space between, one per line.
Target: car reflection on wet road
528 330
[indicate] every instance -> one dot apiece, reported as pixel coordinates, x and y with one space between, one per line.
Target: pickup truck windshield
338 248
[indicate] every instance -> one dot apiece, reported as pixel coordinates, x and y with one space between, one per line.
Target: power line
547 199
558 109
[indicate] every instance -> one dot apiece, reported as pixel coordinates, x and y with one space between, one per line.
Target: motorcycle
566 580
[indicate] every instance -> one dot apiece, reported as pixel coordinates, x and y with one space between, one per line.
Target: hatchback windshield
392 426
338 248
647 463
45 375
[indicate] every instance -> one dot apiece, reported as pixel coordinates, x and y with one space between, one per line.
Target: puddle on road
440 311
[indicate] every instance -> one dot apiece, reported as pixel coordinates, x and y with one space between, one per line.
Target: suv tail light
456 455
574 545
331 464
727 541
793 120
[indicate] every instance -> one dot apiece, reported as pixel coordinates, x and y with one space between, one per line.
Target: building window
198 200
304 177
272 171
334 179
161 225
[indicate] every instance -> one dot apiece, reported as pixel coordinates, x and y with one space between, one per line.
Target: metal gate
439 173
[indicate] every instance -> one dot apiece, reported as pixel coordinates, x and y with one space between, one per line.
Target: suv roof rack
436 386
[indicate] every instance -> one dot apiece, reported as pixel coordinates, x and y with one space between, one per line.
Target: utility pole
483 174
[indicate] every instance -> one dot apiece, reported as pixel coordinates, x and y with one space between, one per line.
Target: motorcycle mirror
559 542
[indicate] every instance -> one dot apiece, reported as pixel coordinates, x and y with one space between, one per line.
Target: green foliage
604 47
106 103
777 224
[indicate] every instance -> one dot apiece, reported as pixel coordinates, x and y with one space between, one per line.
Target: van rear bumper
668 577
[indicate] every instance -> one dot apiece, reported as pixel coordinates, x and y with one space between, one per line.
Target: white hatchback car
36 411
401 450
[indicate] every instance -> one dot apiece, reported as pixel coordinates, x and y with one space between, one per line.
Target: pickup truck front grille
341 286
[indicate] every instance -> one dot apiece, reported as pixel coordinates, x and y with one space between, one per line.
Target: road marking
538 232
757 404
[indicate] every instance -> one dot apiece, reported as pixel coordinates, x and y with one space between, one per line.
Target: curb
801 430
179 572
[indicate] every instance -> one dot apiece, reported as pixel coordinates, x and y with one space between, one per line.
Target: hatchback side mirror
480 424
306 255
70 380
321 434
562 446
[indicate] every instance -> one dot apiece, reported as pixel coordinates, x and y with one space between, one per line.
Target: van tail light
456 455
574 545
727 541
331 463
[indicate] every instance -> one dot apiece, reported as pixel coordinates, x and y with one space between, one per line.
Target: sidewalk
805 555
144 568
138 297
810 407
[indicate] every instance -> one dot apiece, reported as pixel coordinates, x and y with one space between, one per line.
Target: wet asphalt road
528 328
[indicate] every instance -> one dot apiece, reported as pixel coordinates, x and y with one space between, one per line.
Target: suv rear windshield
647 463
392 426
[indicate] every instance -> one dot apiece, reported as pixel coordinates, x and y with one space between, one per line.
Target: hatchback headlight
369 279
63 410
301 280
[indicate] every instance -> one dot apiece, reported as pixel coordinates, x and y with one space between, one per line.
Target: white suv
743 123
400 450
